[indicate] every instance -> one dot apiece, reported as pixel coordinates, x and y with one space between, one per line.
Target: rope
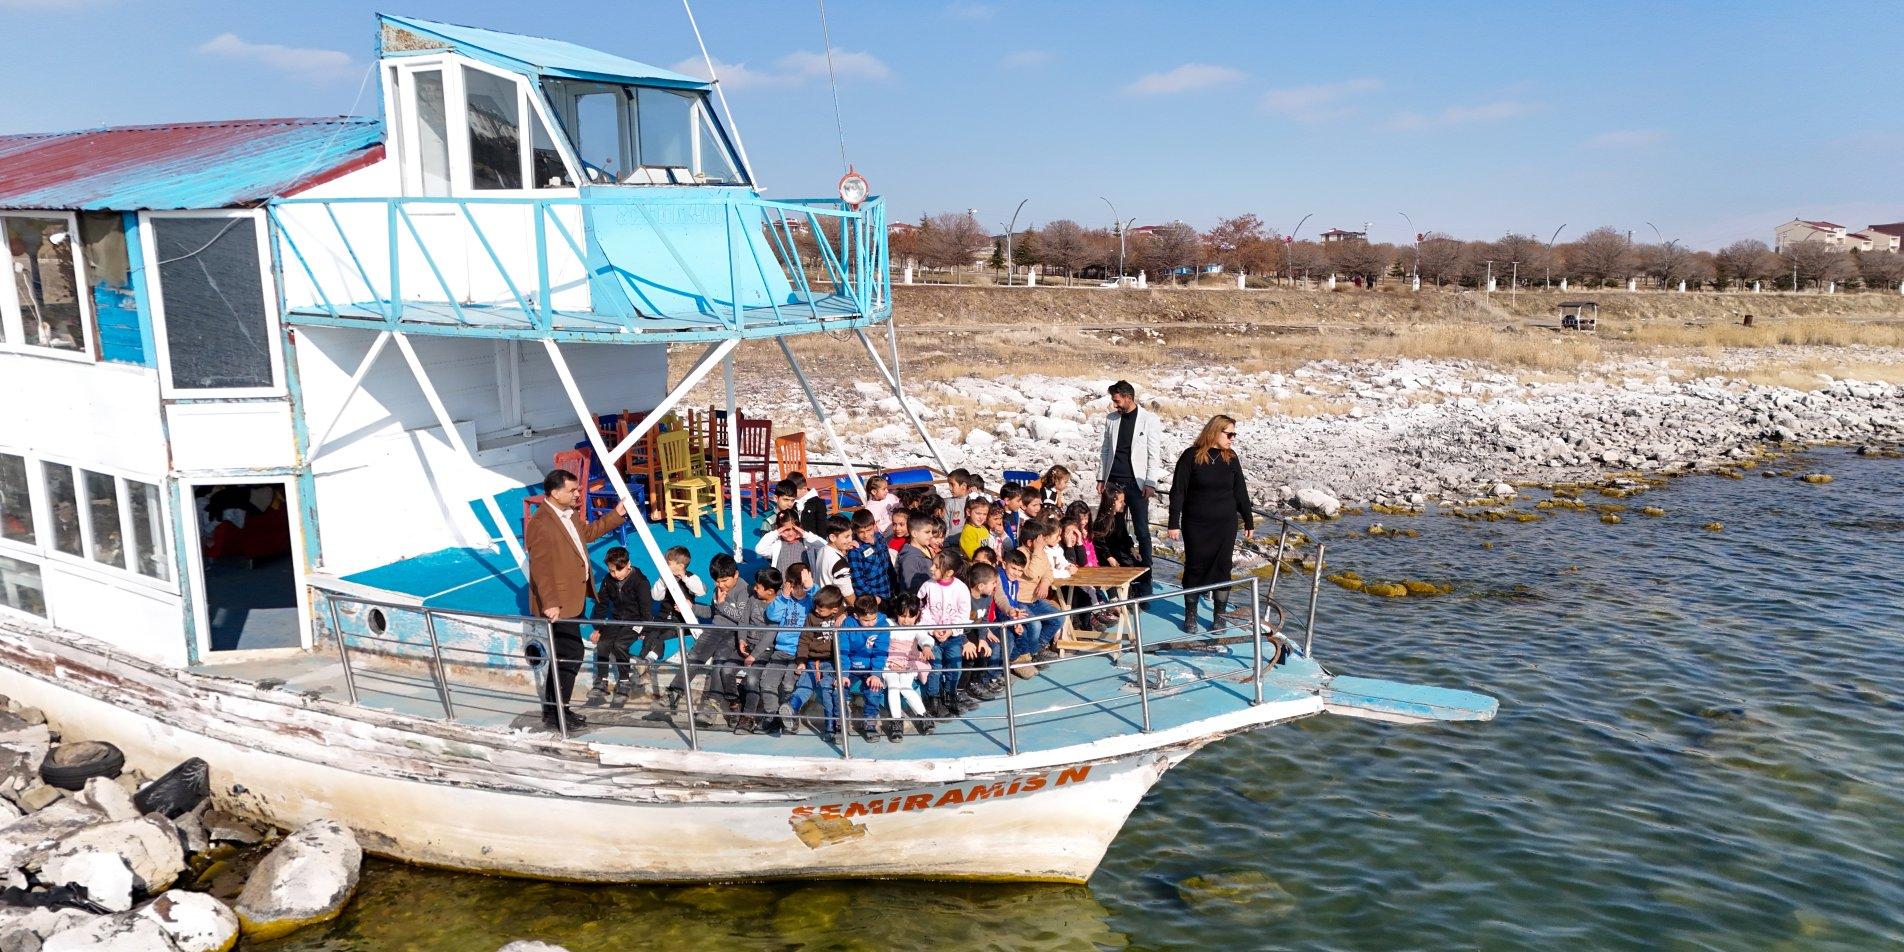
746 166
839 124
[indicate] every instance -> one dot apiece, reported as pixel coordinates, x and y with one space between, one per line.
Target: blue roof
181 165
537 55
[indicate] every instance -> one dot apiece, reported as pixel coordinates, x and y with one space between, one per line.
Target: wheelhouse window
16 501
432 131
144 512
45 306
102 508
20 587
62 499
219 332
642 135
495 130
667 128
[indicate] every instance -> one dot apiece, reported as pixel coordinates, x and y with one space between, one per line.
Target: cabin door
245 565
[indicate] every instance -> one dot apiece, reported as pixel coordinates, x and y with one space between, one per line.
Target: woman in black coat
1209 500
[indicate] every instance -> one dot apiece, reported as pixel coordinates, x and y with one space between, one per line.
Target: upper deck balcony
538 189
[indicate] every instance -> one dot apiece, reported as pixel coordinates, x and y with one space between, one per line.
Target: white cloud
1183 79
1627 139
324 65
1026 58
1463 115
971 11
732 75
792 69
1314 103
846 63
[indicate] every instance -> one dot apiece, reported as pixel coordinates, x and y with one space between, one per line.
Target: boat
285 390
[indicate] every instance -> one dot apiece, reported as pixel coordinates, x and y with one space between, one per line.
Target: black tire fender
69 766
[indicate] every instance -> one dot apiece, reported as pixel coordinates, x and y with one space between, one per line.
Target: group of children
924 599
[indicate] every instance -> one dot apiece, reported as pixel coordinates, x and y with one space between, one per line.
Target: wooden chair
641 464
687 491
790 456
598 497
756 443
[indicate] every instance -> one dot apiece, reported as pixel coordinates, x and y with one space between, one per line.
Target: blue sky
1712 121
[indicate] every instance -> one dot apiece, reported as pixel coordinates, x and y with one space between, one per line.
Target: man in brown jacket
560 580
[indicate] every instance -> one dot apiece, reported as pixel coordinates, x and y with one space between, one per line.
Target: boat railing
607 262
489 670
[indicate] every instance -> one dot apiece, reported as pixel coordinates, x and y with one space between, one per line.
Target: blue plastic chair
1020 476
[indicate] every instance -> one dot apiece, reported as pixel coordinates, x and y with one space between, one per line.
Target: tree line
1243 244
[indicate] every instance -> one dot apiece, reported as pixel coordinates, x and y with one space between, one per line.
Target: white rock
978 438
1503 490
305 879
23 928
149 846
1317 499
530 945
108 797
106 877
127 932
194 921
32 835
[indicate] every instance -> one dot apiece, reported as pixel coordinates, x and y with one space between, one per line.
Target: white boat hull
526 805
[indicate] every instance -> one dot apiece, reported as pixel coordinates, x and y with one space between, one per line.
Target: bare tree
1668 264
1063 245
1882 270
1359 259
1603 255
1816 263
1231 236
1173 246
1304 257
1442 257
1744 261
951 240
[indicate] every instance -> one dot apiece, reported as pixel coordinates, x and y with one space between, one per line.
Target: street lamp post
1117 225
1009 266
1514 284
1416 274
1550 255
1289 249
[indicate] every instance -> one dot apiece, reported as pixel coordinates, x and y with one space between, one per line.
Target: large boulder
149 846
531 945
22 929
124 932
33 834
306 879
106 877
1317 499
109 797
194 921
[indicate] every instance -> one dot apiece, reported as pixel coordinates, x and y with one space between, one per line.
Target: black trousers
613 645
1209 549
1137 506
559 678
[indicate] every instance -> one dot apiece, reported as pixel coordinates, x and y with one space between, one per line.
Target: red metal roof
1894 229
181 165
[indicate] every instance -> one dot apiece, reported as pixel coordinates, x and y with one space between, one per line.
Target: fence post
1256 633
1143 679
1315 590
1011 712
1276 570
552 682
343 654
436 665
839 688
687 681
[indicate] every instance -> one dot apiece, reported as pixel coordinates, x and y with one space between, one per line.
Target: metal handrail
681 629
851 266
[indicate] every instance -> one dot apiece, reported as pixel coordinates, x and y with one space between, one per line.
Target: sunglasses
1230 433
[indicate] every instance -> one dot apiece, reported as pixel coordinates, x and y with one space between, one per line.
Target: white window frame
45 552
37 562
12 318
261 232
193 572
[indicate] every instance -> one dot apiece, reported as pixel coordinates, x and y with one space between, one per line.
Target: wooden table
1116 580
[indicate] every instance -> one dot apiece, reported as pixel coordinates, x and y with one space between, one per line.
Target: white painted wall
139 619
390 485
227 436
105 414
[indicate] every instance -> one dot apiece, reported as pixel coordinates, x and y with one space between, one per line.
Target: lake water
1700 746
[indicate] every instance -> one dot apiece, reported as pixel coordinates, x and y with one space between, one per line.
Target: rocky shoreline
1403 432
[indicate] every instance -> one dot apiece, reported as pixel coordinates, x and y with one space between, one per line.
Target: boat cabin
252 356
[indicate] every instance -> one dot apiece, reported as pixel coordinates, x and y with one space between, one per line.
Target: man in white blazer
1130 463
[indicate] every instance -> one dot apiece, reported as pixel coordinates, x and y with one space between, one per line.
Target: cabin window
666 127
432 131
495 130
145 512
545 160
102 507
717 167
46 304
20 587
62 499
16 501
218 331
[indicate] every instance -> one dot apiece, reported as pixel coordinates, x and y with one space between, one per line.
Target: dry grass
1825 332
1812 374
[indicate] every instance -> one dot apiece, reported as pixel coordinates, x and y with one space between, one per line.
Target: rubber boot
1189 625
